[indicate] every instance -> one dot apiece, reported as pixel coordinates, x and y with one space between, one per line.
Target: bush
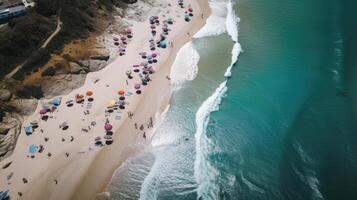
49 72
37 59
30 91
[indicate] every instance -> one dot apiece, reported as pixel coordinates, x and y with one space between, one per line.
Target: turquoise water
285 128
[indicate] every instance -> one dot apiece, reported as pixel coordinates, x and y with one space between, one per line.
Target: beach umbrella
46 106
144 63
28 130
137 86
154 55
123 38
109 133
115 39
127 29
122 98
108 127
121 92
111 103
109 142
136 65
190 10
56 101
33 148
89 93
152 26
43 111
156 17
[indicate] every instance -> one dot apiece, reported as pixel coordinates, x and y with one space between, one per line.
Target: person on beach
136 126
144 135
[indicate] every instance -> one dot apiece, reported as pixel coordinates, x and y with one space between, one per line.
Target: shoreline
93 169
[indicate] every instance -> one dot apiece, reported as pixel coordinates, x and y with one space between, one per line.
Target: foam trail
205 173
232 21
185 66
235 54
215 22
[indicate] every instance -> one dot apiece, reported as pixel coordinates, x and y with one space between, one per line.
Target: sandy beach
71 149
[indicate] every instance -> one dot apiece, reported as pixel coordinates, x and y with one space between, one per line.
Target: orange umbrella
89 93
121 92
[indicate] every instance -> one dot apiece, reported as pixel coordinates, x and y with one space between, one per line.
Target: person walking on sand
144 135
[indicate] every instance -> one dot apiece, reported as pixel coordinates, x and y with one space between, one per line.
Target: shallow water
285 127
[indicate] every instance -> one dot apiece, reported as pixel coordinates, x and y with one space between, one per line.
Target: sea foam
185 66
205 173
215 22
232 21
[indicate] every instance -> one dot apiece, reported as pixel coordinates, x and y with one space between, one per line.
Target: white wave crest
185 66
205 173
215 22
235 53
232 21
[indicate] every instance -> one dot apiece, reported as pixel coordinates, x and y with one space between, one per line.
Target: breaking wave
185 66
215 22
205 173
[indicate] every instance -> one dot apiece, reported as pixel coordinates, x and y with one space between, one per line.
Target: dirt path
44 45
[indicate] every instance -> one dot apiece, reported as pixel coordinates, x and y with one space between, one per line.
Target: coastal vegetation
21 39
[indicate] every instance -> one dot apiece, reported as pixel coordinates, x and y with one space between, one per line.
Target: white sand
88 168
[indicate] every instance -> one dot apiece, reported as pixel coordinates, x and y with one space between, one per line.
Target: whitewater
205 173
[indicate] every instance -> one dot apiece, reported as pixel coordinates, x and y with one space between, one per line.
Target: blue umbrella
56 101
28 130
33 148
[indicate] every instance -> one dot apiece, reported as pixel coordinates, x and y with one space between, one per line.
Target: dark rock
5 95
100 57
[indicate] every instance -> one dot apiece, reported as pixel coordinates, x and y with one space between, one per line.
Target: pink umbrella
156 17
108 127
115 38
128 30
152 26
144 63
136 65
43 111
190 10
154 55
137 86
123 38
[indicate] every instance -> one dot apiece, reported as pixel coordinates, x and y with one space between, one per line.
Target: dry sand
88 168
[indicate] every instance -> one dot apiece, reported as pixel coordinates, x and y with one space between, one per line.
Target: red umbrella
43 111
190 10
121 92
108 127
89 93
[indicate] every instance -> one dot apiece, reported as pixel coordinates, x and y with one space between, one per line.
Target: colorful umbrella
121 92
56 101
111 103
108 127
89 93
33 148
43 111
137 86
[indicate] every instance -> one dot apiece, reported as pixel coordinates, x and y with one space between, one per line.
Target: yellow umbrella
111 103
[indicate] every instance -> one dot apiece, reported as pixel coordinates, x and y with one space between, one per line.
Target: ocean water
265 108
